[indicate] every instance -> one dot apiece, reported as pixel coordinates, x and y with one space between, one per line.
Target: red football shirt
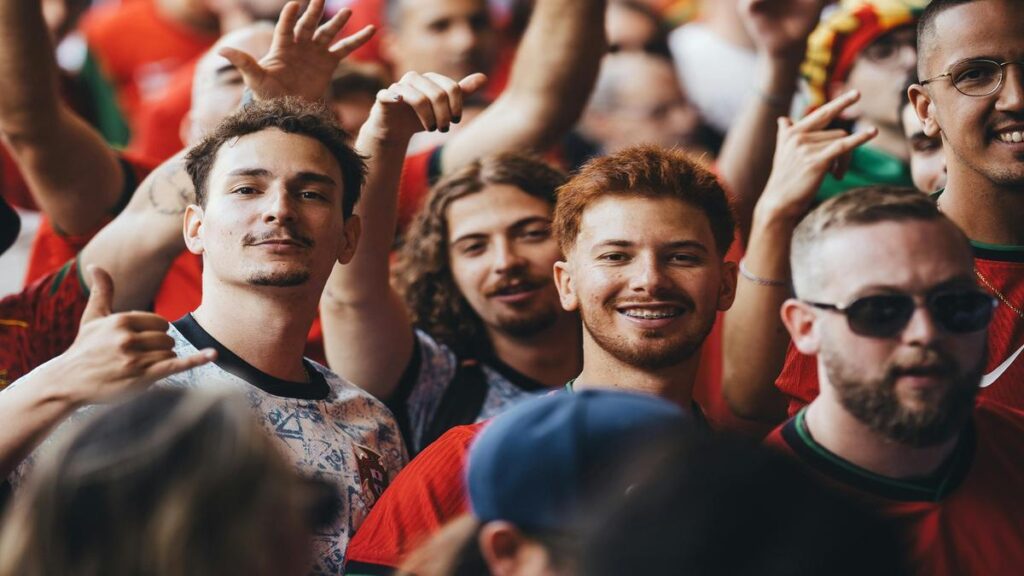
967 519
425 495
1004 369
139 49
40 322
158 134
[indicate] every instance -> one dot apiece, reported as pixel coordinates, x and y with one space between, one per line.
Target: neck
266 327
551 357
889 140
184 14
602 370
985 211
850 439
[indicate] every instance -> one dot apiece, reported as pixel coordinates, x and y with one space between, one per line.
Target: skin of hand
302 57
114 353
805 151
781 27
420 102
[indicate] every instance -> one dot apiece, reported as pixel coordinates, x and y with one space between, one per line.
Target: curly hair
289 115
423 272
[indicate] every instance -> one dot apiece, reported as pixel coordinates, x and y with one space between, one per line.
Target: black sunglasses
886 315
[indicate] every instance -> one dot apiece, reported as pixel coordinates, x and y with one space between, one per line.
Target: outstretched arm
779 29
112 354
74 176
552 76
755 340
367 332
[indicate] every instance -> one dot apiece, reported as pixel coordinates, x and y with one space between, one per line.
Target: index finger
144 321
828 112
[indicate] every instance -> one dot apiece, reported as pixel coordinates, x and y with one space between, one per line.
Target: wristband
759 280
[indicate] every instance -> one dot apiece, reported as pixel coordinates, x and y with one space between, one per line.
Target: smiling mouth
652 313
1011 136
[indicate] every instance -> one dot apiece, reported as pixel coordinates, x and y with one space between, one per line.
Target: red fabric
40 322
414 186
51 248
138 49
975 529
159 135
799 377
366 12
425 495
14 189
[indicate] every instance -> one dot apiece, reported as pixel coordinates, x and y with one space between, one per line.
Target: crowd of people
512 287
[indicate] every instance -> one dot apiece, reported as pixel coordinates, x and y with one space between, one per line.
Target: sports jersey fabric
868 167
328 427
427 493
419 172
51 248
158 134
138 49
40 322
432 369
1004 369
965 518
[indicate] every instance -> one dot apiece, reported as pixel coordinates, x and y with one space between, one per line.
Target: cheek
467 273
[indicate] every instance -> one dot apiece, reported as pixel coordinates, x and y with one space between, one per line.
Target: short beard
279 280
875 402
652 352
526 325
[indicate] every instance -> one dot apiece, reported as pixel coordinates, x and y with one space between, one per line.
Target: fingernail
456 119
445 129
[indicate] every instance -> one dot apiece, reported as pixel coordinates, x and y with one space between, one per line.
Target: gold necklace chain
998 294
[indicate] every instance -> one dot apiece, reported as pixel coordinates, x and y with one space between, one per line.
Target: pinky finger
171 366
349 44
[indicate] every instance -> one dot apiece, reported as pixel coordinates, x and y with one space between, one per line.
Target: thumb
472 83
101 295
246 64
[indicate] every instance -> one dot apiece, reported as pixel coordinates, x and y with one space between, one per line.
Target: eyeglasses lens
884 316
977 77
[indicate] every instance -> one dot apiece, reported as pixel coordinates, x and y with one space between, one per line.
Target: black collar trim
517 378
316 389
934 488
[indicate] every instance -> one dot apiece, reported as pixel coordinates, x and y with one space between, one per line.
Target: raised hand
781 27
805 152
117 352
419 102
302 57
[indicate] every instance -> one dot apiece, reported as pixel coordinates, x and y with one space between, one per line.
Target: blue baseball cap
10 225
537 463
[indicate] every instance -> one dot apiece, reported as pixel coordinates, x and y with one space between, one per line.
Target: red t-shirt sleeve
41 321
799 379
419 172
424 496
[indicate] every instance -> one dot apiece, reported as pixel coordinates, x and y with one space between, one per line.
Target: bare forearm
31 408
28 68
754 338
138 246
745 161
552 76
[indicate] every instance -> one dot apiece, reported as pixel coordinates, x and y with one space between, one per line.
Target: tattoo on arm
169 190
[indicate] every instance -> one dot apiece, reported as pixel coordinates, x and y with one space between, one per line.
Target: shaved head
926 34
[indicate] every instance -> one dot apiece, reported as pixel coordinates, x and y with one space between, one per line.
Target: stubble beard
654 349
279 279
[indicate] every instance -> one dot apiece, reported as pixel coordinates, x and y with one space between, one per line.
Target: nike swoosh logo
988 379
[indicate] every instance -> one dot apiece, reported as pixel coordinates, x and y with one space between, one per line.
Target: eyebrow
691 244
303 176
517 224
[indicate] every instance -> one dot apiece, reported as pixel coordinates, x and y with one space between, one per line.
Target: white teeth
1015 137
651 314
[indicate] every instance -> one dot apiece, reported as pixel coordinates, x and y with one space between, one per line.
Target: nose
908 57
1011 94
506 257
279 207
462 37
921 329
647 276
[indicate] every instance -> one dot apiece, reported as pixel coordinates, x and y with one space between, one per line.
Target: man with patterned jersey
644 233
889 306
980 122
275 188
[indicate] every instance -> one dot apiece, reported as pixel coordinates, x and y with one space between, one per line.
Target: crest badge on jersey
373 477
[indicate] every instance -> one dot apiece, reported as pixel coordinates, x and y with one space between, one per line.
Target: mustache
517 281
925 361
288 233
678 298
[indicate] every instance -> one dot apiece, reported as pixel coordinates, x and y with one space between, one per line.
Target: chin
285 279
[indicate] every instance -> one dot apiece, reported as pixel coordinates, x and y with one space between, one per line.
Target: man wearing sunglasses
886 300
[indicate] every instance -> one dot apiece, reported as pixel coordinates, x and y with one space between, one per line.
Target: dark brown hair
289 115
646 172
423 273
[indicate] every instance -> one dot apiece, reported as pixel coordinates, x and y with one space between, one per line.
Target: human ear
192 228
800 320
353 230
727 289
925 108
564 284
